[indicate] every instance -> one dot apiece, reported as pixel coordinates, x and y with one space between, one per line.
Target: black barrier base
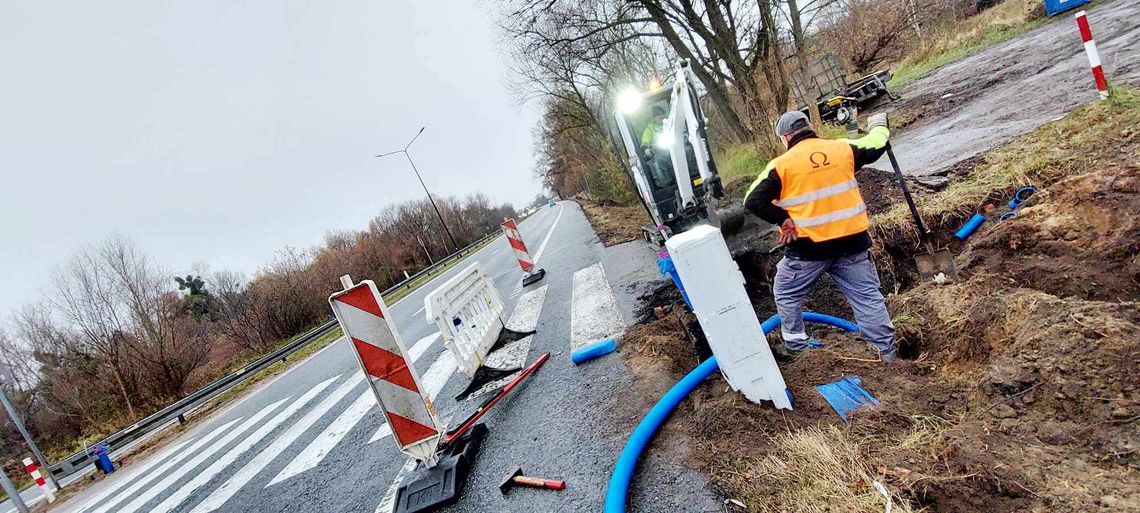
484 375
534 277
428 489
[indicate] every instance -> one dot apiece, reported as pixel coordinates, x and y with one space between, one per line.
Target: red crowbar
454 434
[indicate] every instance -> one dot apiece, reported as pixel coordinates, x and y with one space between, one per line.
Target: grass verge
615 224
962 38
1072 145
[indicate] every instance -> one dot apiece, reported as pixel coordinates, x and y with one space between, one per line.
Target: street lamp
454 246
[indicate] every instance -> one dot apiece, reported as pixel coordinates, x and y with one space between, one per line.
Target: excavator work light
629 100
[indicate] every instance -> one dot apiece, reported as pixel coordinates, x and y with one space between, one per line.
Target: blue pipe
618 489
773 322
970 227
592 351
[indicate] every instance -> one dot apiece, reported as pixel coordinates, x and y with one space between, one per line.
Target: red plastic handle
538 482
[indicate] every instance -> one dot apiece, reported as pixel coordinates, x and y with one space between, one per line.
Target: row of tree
575 55
117 336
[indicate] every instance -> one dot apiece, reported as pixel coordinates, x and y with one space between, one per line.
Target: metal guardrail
180 408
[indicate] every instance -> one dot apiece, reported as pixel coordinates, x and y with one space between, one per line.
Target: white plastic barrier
715 287
469 313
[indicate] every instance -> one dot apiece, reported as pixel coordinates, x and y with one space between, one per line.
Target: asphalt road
1011 88
313 440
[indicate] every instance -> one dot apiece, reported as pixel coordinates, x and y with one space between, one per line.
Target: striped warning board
511 230
393 378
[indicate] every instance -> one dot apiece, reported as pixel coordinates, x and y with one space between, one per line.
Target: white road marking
129 476
422 345
594 313
422 308
247 443
512 355
158 472
268 454
198 459
332 435
525 316
542 247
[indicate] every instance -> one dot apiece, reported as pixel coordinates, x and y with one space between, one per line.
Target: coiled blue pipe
627 462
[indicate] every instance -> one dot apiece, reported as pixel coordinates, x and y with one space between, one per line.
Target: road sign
391 374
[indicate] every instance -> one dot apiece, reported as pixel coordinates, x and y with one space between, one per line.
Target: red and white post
34 471
1093 55
511 230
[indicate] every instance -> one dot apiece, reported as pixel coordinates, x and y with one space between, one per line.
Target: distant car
551 203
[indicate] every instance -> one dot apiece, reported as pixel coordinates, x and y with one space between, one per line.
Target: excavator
675 175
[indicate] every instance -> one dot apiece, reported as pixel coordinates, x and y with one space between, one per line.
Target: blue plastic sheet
666 268
846 396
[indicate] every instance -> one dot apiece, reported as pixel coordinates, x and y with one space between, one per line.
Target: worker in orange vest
811 194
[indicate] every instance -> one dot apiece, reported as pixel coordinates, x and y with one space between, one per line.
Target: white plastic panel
716 289
469 314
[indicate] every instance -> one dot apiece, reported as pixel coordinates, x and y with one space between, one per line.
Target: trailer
833 93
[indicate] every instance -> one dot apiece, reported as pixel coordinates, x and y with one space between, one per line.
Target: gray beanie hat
791 122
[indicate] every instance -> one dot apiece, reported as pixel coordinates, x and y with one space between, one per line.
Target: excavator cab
670 163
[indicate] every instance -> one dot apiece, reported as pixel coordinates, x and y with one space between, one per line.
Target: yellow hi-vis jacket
814 184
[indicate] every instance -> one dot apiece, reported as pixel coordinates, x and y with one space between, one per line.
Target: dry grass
961 38
1072 145
816 470
615 224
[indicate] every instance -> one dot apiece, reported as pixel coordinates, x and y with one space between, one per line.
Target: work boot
889 356
785 355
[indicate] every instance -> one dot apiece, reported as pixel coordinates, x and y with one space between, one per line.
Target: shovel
934 262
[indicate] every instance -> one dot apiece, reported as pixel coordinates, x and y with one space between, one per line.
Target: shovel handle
922 233
538 482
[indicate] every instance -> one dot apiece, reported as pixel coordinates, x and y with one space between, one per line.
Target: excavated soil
1018 391
1083 240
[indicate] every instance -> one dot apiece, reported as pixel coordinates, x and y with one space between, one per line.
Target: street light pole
454 246
19 422
13 493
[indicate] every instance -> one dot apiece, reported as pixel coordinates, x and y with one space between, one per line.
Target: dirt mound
1018 393
1080 240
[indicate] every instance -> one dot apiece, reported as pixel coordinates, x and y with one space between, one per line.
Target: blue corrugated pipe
592 351
645 431
970 227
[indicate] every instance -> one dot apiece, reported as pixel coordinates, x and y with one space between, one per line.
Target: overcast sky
220 131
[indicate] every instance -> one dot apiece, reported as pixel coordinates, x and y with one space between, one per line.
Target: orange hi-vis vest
819 191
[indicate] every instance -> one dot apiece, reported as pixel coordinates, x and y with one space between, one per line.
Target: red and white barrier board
511 230
1093 55
34 471
363 317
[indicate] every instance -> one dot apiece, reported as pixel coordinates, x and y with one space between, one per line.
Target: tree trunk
717 90
126 396
806 77
778 81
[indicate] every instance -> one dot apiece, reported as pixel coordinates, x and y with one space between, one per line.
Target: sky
220 131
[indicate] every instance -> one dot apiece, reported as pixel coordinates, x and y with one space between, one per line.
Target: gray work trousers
857 279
